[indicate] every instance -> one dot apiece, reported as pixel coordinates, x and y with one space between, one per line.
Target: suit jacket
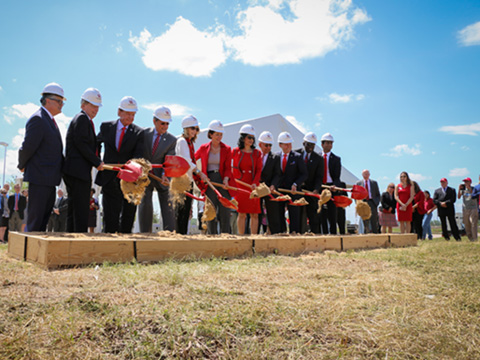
41 154
22 204
374 191
272 171
295 171
81 146
315 171
166 146
450 196
225 159
132 147
334 167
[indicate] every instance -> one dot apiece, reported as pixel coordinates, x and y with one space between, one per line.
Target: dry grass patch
414 303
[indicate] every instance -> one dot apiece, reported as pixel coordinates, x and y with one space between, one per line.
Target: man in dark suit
123 141
331 171
41 157
16 204
313 183
81 156
270 176
373 199
293 174
444 198
157 144
59 213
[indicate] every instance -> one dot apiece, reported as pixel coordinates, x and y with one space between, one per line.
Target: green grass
414 303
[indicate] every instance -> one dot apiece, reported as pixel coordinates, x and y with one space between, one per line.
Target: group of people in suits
42 161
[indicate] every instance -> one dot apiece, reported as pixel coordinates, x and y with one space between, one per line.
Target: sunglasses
162 122
250 137
267 145
60 102
194 128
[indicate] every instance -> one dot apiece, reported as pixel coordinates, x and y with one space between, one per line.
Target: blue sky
397 83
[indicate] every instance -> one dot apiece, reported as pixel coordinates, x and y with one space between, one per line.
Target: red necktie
55 123
16 202
366 187
155 145
121 138
325 168
93 126
284 162
306 159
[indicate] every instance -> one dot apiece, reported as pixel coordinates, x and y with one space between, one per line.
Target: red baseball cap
443 179
467 179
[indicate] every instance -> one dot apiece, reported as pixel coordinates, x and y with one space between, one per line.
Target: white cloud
458 172
299 125
182 48
176 109
465 148
311 28
346 98
469 35
418 177
19 111
273 33
472 129
404 149
1 89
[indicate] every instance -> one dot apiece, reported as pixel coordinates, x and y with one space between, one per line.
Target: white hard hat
310 137
163 113
129 104
266 137
93 96
285 138
327 137
53 88
189 121
216 125
247 129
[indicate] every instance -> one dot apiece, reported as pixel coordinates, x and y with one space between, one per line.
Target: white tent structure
275 124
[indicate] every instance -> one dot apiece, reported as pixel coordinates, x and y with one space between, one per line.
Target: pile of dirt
178 186
134 191
260 191
363 210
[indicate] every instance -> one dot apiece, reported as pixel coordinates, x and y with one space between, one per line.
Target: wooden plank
401 240
160 249
368 241
37 250
286 245
63 252
16 243
322 243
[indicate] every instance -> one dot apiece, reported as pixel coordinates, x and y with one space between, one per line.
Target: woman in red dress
247 167
404 194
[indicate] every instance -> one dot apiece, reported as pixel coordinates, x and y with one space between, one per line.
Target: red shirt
429 204
420 200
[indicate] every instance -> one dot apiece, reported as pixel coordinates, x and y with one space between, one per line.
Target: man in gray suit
373 199
158 143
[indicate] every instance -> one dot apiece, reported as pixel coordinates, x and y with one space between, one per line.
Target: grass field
414 303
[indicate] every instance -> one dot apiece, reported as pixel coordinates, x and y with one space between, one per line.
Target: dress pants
223 214
341 220
371 225
417 224
118 213
450 215
78 203
293 216
145 210
41 199
182 215
328 218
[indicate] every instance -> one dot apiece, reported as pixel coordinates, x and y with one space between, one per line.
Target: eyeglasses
391 187
163 123
194 128
250 137
267 145
60 102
